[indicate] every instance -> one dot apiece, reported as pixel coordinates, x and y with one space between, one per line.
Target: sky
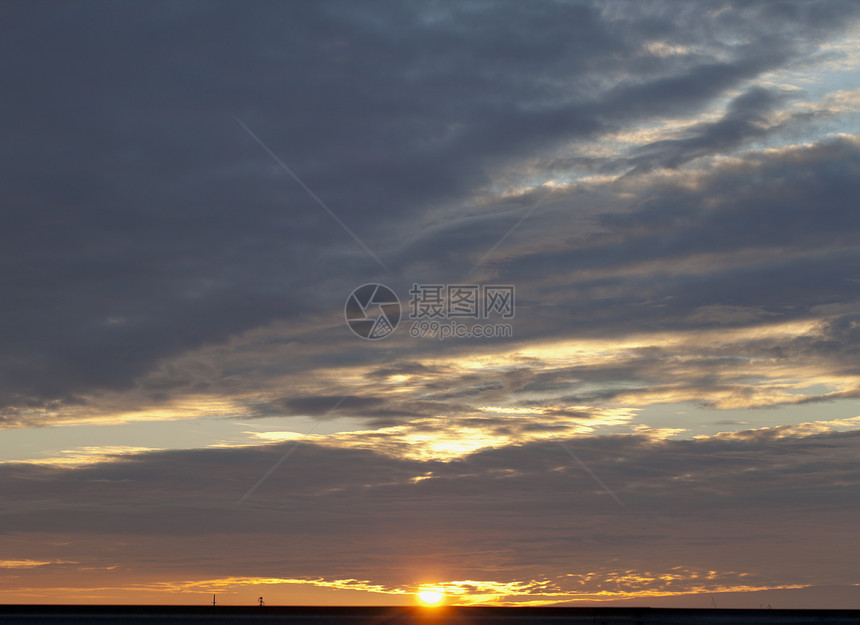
610 350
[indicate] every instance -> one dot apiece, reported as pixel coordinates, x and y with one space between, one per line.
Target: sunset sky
192 190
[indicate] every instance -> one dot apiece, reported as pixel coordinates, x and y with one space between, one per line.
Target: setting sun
431 596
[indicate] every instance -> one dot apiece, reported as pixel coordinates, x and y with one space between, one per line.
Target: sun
431 596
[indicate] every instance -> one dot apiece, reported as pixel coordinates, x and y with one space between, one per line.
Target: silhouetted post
261 602
213 599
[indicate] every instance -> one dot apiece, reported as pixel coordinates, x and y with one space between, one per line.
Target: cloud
745 121
155 226
321 514
25 564
670 188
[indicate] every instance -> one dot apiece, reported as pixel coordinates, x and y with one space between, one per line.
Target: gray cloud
745 121
727 503
142 222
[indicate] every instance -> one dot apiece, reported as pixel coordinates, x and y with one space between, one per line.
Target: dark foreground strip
228 615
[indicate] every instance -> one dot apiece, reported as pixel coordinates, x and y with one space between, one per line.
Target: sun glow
430 596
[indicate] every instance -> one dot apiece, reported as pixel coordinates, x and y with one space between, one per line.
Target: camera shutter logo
372 311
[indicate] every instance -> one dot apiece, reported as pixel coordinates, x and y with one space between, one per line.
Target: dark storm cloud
140 221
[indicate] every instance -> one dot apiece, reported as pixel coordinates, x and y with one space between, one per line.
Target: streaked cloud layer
671 188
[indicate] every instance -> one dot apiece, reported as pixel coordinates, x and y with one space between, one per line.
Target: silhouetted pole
213 599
